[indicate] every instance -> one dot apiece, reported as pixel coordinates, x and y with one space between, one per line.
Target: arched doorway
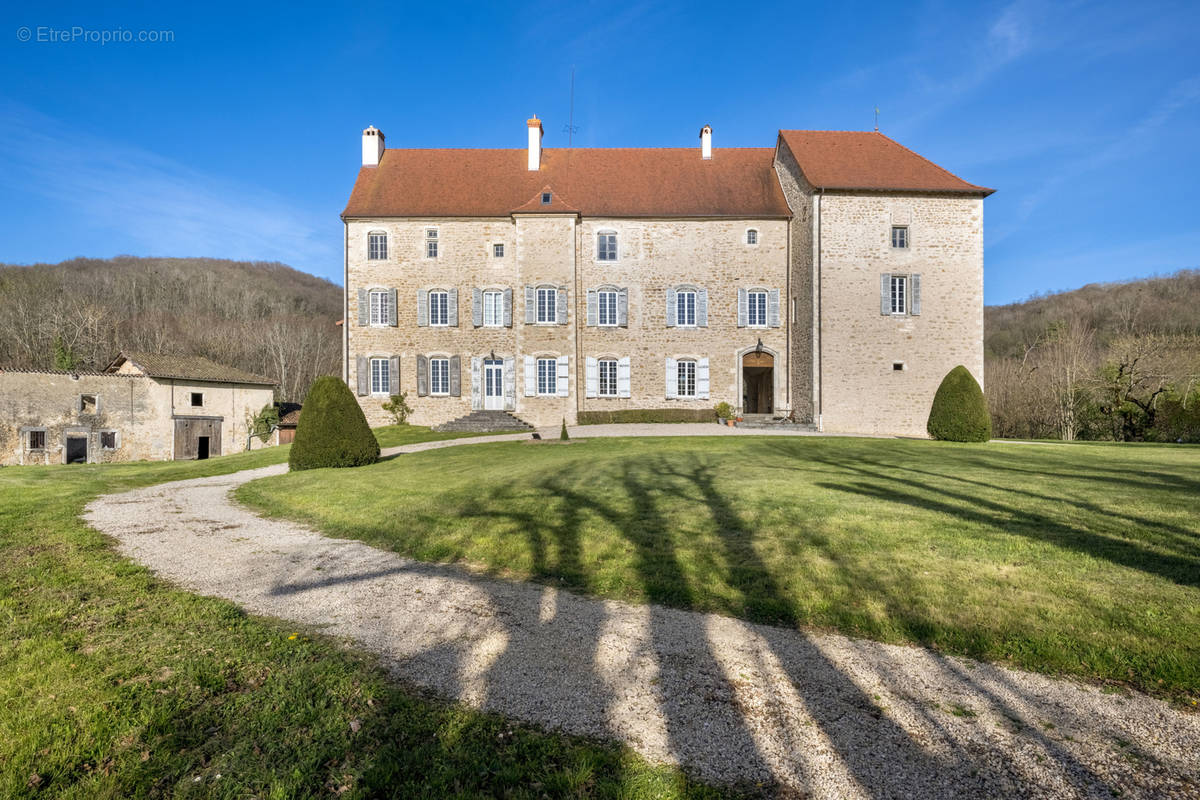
758 383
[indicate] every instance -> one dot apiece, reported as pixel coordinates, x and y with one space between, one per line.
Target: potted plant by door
724 412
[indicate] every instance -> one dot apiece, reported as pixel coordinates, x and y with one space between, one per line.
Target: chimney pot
535 143
372 146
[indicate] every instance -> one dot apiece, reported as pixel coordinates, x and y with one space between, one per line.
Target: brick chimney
372 146
535 143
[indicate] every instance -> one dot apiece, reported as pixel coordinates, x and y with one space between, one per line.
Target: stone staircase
770 422
485 422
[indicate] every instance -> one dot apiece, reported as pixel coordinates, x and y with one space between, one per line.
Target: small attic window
87 404
545 198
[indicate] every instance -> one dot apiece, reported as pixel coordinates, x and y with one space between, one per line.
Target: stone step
484 422
766 422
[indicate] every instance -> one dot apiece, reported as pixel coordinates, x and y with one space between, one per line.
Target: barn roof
184 367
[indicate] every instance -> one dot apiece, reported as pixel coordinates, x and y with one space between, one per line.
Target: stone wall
803 299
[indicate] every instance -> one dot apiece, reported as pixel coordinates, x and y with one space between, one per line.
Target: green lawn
113 684
1062 559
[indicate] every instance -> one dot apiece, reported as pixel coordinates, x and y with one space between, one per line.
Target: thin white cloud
134 195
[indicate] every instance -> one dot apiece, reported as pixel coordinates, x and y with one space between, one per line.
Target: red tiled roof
557 204
617 182
868 160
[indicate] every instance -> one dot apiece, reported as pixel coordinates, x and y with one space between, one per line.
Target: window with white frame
752 236
607 306
608 377
381 379
37 439
431 242
899 236
685 307
377 246
899 294
547 376
439 308
493 309
498 250
547 304
756 309
686 376
606 246
381 310
439 376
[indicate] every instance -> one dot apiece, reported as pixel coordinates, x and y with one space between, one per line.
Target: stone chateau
833 279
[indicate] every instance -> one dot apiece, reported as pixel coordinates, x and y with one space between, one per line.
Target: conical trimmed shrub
959 412
332 432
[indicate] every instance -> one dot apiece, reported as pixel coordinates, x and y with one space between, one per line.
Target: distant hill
1167 304
263 317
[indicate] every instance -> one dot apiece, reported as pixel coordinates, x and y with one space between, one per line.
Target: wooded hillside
263 317
1106 361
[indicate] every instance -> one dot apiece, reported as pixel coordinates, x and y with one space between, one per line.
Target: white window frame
611 298
496 320
904 235
679 307
497 249
898 294
443 307
547 369
433 246
751 237
602 252
379 303
603 366
381 377
377 246
685 377
439 376
551 307
759 321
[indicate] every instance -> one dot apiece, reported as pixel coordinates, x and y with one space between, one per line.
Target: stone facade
123 416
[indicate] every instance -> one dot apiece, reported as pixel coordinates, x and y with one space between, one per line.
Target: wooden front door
758 383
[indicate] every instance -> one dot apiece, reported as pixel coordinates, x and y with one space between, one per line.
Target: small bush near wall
959 412
332 431
647 415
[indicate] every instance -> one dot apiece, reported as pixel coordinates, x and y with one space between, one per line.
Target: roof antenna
877 119
569 129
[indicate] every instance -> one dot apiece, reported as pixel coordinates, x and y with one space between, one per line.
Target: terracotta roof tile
617 182
192 368
868 160
557 204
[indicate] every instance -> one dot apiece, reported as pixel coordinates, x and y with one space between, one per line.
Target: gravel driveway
732 702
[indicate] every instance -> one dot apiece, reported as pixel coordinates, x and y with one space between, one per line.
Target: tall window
899 294
607 300
900 236
608 377
687 378
377 245
547 376
493 309
439 376
685 308
431 243
606 246
547 305
381 382
439 308
752 236
381 310
756 309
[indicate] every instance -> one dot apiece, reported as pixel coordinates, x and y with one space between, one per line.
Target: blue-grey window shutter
702 308
623 308
670 308
508 308
363 368
452 308
593 308
422 376
562 305
530 305
391 320
885 298
672 379
394 375
455 376
364 309
477 307
743 309
423 307
476 383
914 303
510 383
773 308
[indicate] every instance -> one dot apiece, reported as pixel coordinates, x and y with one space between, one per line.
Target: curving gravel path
802 714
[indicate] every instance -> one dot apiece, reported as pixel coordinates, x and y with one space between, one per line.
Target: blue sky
240 138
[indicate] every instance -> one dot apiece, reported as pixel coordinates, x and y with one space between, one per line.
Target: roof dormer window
546 198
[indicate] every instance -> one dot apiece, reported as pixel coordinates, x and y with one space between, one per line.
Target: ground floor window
547 376
439 376
380 376
686 371
108 440
37 440
608 377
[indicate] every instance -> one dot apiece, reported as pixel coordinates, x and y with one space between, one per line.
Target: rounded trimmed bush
332 432
959 412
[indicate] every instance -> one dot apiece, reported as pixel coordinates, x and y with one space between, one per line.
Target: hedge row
647 415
